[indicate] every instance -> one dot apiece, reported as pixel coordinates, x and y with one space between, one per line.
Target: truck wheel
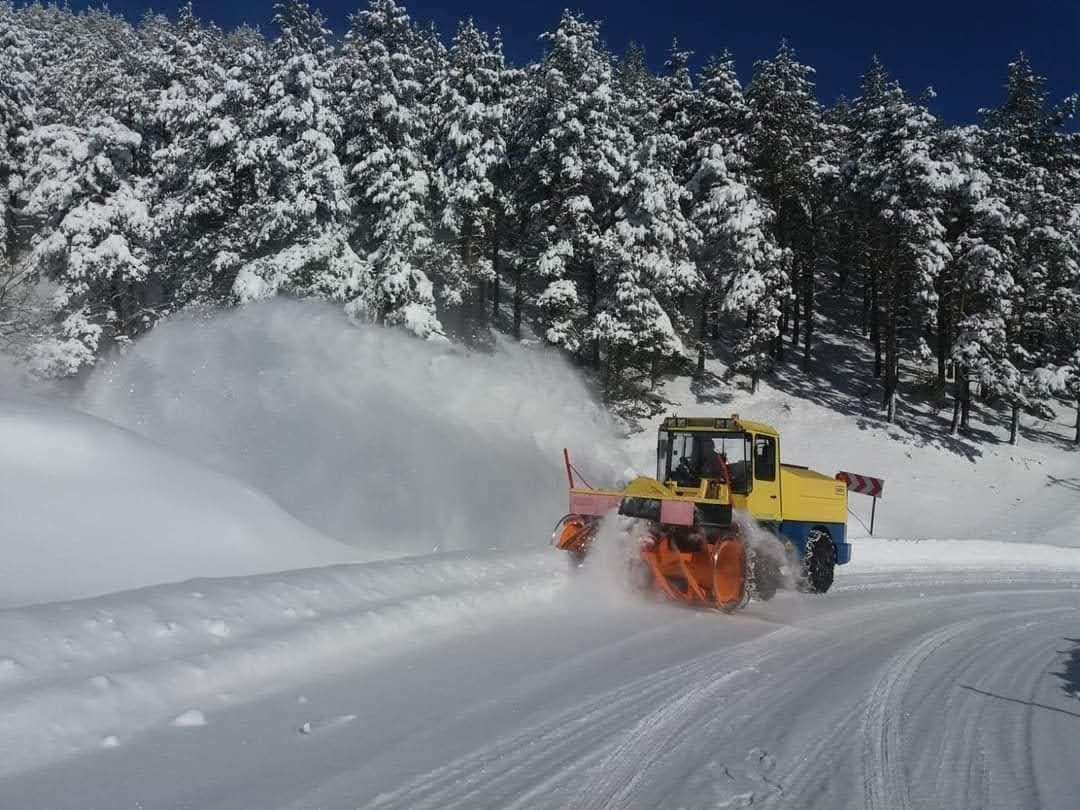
767 577
819 562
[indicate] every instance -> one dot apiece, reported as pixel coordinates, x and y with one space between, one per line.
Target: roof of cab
710 423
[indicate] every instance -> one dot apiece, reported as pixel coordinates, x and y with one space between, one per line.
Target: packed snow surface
179 630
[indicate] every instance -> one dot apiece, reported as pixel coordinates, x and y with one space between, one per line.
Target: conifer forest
641 221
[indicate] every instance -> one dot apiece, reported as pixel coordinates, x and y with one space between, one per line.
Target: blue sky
961 48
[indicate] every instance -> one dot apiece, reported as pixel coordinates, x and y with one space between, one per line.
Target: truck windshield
688 457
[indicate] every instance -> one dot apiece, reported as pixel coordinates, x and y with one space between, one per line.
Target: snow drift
380 440
86 508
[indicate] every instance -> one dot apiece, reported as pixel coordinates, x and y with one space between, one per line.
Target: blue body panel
796 531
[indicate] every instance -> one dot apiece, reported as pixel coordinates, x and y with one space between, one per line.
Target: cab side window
765 458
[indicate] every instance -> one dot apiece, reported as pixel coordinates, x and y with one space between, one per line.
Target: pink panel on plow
582 503
677 513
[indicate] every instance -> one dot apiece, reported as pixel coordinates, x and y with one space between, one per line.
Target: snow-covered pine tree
640 92
744 269
1030 157
470 138
386 122
575 166
644 269
177 75
92 228
211 238
901 182
16 118
974 287
785 143
678 103
300 216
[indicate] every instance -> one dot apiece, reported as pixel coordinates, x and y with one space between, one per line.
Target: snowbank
79 676
88 508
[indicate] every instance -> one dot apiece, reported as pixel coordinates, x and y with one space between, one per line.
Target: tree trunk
611 373
778 342
875 337
1076 440
495 268
965 398
808 311
1014 427
702 330
944 336
518 299
463 320
866 299
892 370
594 301
469 260
795 320
954 428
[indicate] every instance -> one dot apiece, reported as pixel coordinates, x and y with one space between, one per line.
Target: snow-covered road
495 681
224 618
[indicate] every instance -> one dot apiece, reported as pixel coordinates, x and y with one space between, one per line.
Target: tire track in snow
886 783
1012 664
542 765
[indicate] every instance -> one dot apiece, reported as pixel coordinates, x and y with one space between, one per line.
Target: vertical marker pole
873 509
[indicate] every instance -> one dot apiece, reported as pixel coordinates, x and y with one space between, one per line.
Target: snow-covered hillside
233 656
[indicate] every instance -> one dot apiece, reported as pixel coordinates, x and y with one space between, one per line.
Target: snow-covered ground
179 630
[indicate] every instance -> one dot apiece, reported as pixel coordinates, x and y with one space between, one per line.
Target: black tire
767 577
819 564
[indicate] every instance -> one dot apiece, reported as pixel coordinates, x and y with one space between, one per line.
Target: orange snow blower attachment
713 573
691 551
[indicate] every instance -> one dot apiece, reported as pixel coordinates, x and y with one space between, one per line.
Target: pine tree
640 92
16 119
575 166
470 108
1028 153
299 220
901 183
785 141
91 241
209 233
745 270
390 177
974 287
644 267
744 267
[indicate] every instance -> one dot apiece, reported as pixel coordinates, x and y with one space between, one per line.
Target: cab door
764 498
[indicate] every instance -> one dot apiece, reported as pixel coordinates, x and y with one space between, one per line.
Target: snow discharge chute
375 438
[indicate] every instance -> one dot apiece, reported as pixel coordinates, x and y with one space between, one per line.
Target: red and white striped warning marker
864 484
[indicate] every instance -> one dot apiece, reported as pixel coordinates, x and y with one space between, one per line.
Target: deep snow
87 508
296 671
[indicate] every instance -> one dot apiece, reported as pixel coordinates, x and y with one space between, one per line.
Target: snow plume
613 573
388 443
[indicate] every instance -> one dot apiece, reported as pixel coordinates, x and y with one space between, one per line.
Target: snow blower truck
693 549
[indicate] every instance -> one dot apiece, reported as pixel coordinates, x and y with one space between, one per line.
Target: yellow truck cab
697 456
